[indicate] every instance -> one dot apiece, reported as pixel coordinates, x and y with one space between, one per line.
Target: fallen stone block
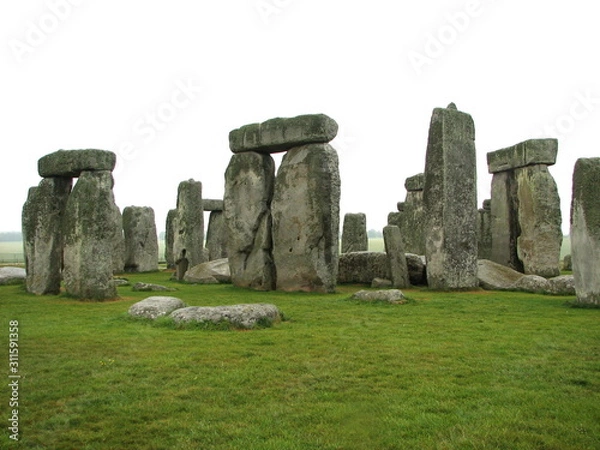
245 316
154 307
394 296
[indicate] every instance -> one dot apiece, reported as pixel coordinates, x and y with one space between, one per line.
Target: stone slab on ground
217 269
154 307
12 275
384 295
149 287
245 316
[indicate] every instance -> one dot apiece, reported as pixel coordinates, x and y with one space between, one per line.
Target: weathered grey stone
395 218
249 182
561 285
400 206
240 316
450 198
567 263
485 231
118 281
282 134
70 163
216 236
42 220
155 307
306 209
412 223
417 269
170 230
585 230
540 239
12 275
504 224
380 283
189 235
92 232
213 205
394 296
530 152
496 277
532 283
217 269
394 249
363 267
354 233
149 287
141 241
415 183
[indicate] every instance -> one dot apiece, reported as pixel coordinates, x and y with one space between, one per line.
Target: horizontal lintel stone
527 153
70 163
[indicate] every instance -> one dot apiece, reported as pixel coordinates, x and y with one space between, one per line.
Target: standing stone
354 233
141 242
538 245
170 230
306 208
412 224
216 236
396 257
249 181
189 231
585 230
485 230
450 197
43 215
90 233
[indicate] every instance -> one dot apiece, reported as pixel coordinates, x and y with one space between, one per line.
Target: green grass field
468 370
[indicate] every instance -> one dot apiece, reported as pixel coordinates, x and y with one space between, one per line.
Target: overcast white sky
161 83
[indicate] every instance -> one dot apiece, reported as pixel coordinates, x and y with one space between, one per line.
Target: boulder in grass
496 277
155 307
238 316
12 275
394 296
211 272
562 285
532 283
149 287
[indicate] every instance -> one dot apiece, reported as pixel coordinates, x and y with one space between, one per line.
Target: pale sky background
161 83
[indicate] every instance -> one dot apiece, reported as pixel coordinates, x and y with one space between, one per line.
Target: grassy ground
471 370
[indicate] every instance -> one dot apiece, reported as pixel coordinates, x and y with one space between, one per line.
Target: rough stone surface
415 183
411 222
417 269
149 287
70 163
530 152
141 241
240 316
363 267
395 218
155 307
561 285
567 263
354 233
42 221
217 269
540 239
450 198
213 205
585 230
496 277
189 223
532 283
380 283
92 232
394 249
12 275
249 181
170 230
306 210
484 240
282 134
386 295
216 236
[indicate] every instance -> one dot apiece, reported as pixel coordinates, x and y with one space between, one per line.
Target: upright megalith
354 233
249 183
170 230
394 248
450 200
216 233
91 234
188 223
585 230
42 219
305 212
525 208
485 230
411 217
141 242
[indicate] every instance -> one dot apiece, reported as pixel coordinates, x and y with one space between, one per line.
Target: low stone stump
211 272
562 285
245 316
12 275
149 287
155 307
394 296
